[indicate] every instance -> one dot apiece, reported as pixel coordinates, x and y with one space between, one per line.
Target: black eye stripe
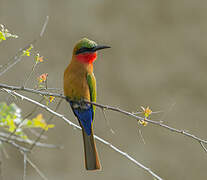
84 49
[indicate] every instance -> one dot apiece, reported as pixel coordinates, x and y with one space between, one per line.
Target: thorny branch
116 109
78 127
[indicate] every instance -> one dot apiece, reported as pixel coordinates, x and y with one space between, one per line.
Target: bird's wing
91 80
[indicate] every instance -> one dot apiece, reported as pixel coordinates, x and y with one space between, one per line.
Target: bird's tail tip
91 156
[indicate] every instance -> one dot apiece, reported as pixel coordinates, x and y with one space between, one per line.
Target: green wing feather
92 88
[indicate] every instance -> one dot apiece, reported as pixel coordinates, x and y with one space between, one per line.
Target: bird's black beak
99 47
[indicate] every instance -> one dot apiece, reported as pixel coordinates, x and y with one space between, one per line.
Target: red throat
87 58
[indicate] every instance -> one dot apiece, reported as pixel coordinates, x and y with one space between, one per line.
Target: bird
80 86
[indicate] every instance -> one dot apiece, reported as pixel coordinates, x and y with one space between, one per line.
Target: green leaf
4 33
27 51
10 119
2 37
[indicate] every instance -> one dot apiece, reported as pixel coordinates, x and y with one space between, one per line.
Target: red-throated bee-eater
79 85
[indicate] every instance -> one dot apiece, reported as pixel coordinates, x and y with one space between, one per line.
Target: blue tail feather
84 115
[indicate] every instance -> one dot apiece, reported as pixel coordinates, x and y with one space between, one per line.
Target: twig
107 107
14 144
128 157
42 132
44 26
30 74
32 131
141 136
1 175
9 66
28 141
56 89
18 88
107 122
28 115
78 127
202 145
154 112
17 58
25 165
36 168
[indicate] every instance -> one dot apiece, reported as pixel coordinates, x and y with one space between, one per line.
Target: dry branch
115 109
78 127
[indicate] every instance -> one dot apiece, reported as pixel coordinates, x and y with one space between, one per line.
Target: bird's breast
75 84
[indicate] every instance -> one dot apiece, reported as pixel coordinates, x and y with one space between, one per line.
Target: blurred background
158 59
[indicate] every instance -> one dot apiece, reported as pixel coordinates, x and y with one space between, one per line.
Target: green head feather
84 43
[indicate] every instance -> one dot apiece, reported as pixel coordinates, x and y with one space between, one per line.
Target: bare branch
42 132
107 107
128 157
78 127
149 121
202 145
23 149
44 26
30 74
10 65
28 141
1 176
35 167
25 165
18 88
107 121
